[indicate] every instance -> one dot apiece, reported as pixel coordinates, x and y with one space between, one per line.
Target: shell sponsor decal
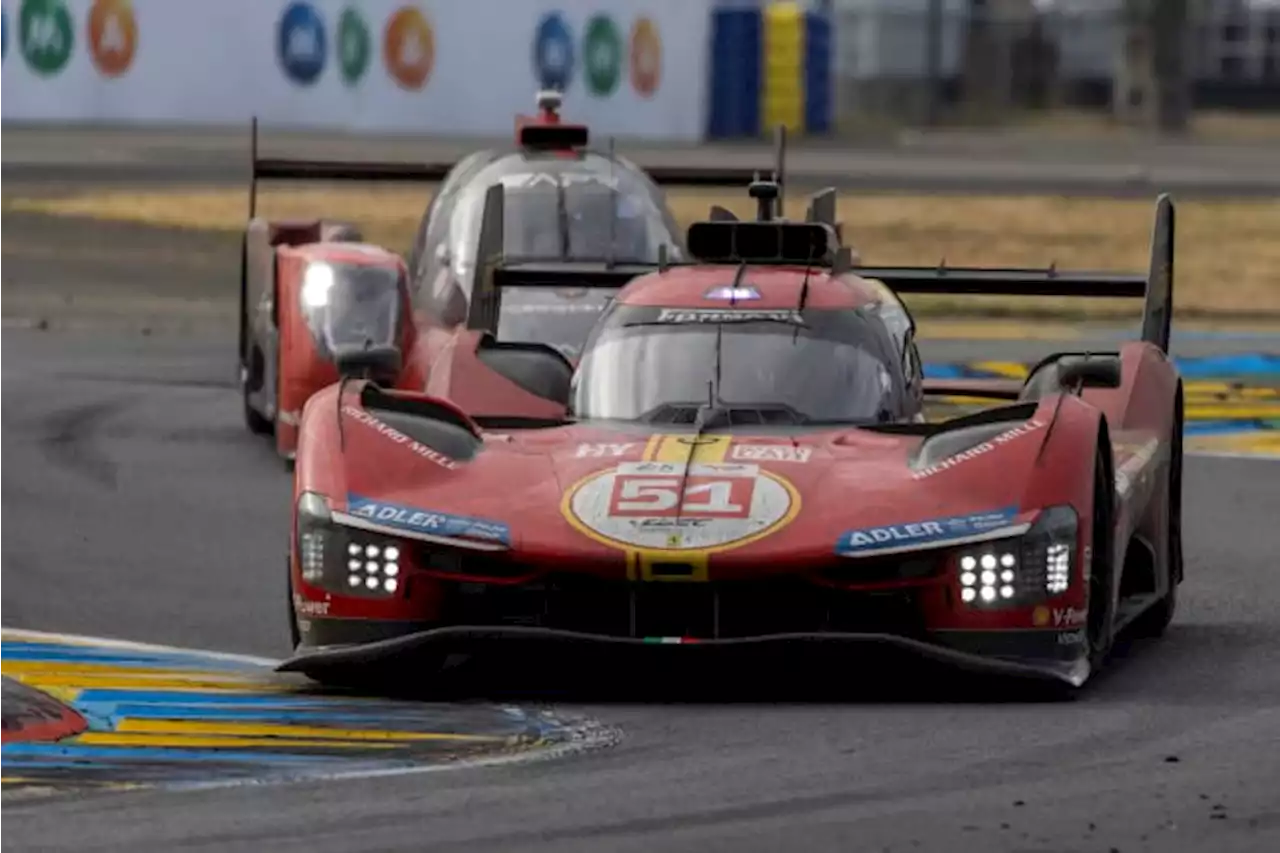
679 504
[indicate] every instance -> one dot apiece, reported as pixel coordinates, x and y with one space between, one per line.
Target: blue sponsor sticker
427 520
732 294
920 533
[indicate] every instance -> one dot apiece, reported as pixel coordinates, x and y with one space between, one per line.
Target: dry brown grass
1228 251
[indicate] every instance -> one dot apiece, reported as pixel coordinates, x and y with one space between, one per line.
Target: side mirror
1090 371
379 363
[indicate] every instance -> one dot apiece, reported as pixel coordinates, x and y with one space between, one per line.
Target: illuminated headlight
315 524
342 560
989 573
1019 572
317 281
373 566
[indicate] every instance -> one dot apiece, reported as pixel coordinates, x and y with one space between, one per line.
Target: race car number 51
658 497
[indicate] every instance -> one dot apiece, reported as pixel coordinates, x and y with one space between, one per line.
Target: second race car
310 286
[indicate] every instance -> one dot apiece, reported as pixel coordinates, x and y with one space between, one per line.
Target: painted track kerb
146 714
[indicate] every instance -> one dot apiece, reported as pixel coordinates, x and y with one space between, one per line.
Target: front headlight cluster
988 577
344 560
351 305
372 566
1023 571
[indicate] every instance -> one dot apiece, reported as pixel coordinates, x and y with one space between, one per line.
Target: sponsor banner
633 68
918 534
427 521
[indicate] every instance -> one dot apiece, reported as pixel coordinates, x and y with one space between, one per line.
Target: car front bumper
1033 655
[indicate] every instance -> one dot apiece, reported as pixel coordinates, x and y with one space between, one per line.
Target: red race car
310 286
740 457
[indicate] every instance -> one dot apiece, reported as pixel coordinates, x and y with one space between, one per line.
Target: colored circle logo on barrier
354 46
45 35
409 48
646 57
602 56
301 43
113 36
553 55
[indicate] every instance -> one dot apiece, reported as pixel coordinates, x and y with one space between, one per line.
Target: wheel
1100 623
295 635
252 372
1156 619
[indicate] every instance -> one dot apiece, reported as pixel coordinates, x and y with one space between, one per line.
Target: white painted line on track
22 635
1234 454
586 734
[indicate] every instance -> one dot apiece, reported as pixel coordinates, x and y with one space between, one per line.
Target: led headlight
342 560
989 573
1023 571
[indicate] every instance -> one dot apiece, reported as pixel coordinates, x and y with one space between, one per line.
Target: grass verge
1227 264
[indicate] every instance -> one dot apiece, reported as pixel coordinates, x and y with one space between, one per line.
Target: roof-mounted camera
549 102
765 192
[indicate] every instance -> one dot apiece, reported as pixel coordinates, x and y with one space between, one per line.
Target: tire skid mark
67 438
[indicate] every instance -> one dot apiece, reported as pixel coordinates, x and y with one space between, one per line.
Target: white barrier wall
634 68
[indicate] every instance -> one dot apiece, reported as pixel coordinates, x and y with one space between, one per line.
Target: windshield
579 210
560 317
660 365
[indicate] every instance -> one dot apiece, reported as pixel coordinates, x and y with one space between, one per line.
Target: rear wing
495 273
287 169
532 138
1155 288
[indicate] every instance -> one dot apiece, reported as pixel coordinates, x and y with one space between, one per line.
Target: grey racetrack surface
137 507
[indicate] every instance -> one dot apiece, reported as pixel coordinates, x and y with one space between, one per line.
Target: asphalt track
139 508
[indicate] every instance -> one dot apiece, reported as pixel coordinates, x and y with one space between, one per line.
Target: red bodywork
585 500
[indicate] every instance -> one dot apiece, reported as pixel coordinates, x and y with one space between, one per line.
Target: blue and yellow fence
771 64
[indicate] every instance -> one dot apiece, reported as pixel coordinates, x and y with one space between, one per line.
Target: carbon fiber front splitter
319 660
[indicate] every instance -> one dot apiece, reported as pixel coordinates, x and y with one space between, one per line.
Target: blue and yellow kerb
82 712
771 64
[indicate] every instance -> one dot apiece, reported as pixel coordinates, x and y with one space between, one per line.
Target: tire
295 635
1101 621
257 424
1156 619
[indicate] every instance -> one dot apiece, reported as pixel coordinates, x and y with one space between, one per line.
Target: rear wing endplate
1155 288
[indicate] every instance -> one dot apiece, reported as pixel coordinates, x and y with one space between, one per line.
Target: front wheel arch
1101 579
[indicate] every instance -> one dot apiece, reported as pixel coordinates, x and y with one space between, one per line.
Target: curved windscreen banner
634 68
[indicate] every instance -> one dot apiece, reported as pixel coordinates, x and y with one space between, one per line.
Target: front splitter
321 660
